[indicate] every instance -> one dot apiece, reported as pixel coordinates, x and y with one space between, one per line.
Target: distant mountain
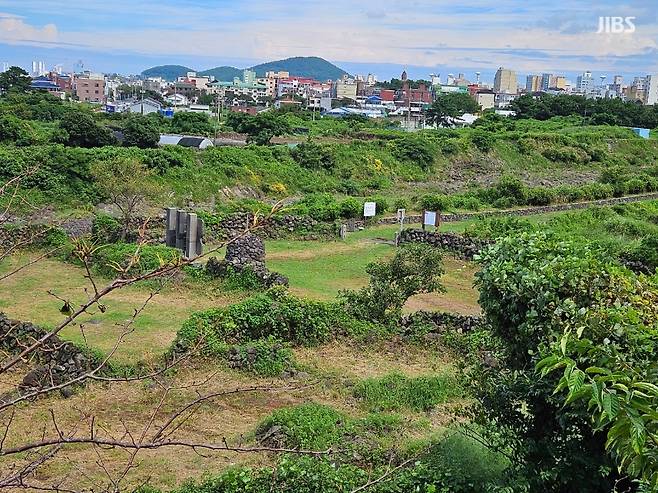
167 72
308 66
224 73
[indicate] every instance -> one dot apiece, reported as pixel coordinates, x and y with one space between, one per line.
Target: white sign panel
401 214
369 209
430 218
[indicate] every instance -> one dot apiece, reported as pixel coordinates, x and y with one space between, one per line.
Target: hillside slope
167 72
310 66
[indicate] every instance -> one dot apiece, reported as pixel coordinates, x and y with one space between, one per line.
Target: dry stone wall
57 361
461 246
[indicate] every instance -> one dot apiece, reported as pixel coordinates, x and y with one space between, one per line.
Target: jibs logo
616 25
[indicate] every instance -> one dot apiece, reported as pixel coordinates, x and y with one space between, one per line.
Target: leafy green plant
396 391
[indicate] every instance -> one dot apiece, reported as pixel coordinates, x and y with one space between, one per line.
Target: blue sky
379 36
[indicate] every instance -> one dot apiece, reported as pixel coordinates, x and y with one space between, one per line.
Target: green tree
555 305
450 107
259 128
142 132
414 269
15 79
191 123
84 131
128 184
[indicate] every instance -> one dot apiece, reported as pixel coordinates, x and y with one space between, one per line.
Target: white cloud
14 29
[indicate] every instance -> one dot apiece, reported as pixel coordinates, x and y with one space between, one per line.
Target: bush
319 206
314 156
105 229
308 426
275 313
128 259
539 196
483 140
351 208
417 150
381 204
415 269
266 357
438 203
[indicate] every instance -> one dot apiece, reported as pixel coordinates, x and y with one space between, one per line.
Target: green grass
397 391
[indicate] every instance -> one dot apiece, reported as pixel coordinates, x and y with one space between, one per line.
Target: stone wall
461 246
439 323
281 226
57 361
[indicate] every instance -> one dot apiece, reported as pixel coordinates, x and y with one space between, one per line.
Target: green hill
225 73
309 66
167 72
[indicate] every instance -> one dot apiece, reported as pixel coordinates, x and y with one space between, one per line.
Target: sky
378 36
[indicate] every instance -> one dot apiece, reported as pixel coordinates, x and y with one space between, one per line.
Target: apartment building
505 81
90 88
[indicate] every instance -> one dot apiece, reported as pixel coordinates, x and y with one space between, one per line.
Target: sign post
369 209
429 218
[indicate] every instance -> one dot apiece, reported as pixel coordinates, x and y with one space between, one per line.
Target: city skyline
382 36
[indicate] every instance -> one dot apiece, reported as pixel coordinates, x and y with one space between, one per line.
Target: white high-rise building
652 89
584 82
5 66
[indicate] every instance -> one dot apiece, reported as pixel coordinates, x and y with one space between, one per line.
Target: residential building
505 81
502 100
585 83
652 90
90 88
201 83
637 91
533 83
238 88
486 98
559 82
345 88
547 81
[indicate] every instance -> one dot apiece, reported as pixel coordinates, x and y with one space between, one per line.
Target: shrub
351 208
319 206
439 203
314 156
308 426
105 229
483 140
266 357
415 268
275 313
417 150
400 203
131 259
539 196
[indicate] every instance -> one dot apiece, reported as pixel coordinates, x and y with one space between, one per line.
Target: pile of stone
245 253
57 361
462 246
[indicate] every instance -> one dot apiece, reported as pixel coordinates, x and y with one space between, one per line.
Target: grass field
316 270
